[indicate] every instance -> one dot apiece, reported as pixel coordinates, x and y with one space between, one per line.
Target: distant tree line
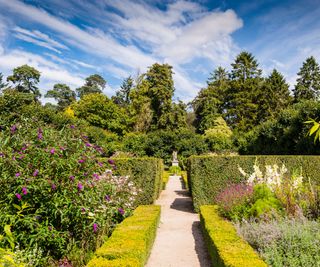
238 109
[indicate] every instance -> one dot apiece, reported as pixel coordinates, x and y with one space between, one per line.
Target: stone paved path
179 241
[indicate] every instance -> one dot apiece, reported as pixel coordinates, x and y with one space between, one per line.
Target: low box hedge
146 173
209 175
131 242
225 247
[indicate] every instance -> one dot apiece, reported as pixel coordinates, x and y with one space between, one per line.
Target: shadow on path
200 248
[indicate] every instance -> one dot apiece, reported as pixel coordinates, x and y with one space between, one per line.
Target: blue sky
69 40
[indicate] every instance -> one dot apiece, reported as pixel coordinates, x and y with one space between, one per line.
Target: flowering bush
234 201
55 192
296 195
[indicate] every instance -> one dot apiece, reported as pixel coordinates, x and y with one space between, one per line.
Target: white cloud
181 33
50 72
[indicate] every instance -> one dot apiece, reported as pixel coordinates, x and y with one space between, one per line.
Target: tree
63 94
93 84
219 136
26 79
179 115
3 84
274 97
160 92
122 97
308 82
244 91
101 112
211 101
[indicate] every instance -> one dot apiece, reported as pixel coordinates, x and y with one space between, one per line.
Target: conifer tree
308 82
243 92
274 96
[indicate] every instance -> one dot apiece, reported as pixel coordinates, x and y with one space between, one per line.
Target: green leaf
17 206
314 128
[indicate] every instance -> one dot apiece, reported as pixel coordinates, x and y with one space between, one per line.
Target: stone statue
175 161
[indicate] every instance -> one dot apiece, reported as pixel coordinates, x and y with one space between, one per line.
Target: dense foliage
210 175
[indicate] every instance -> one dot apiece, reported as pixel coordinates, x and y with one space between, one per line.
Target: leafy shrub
145 173
98 110
225 247
175 170
219 137
234 201
209 175
53 193
287 242
131 242
135 143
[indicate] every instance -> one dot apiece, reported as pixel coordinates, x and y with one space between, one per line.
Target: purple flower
40 137
18 174
111 161
95 227
54 187
121 211
13 129
96 176
72 126
1 155
52 151
24 190
18 196
71 178
80 186
88 144
80 160
107 198
36 172
100 164
85 174
83 210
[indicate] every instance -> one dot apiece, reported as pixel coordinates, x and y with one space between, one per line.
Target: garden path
179 241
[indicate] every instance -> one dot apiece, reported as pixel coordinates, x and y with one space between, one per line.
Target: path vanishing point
179 241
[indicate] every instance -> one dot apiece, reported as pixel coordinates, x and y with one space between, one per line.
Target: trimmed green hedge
146 173
208 175
131 242
226 248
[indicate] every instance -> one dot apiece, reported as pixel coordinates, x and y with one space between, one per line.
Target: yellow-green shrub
226 248
165 179
185 178
131 242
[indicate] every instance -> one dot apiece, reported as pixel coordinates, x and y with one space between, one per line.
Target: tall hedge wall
208 175
146 173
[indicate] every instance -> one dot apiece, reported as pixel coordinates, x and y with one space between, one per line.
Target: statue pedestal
175 163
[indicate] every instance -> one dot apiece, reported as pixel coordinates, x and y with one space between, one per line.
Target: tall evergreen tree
243 92
274 96
211 101
308 82
160 92
122 97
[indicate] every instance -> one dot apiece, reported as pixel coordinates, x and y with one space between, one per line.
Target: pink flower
71 178
121 211
36 172
24 190
18 196
81 161
80 186
18 174
95 227
52 151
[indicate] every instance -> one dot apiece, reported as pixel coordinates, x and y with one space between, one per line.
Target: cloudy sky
69 40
